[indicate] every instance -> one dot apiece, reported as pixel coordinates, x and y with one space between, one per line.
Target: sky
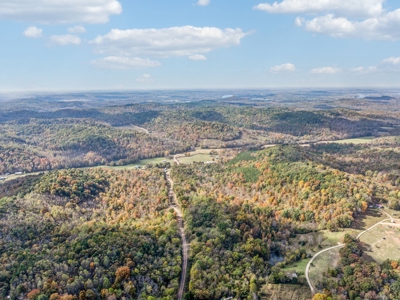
73 45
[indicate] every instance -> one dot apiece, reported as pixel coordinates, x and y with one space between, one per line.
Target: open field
199 155
140 163
13 176
387 128
321 263
363 222
299 266
382 242
331 257
195 158
360 140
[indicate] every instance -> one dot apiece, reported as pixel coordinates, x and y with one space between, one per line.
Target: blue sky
158 44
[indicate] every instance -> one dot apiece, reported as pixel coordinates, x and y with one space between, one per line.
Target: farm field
382 242
195 158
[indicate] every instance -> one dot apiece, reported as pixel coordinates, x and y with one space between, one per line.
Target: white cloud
145 78
380 28
284 68
67 39
364 70
33 32
124 63
203 2
299 21
77 29
325 70
364 8
392 60
59 11
197 57
366 19
167 42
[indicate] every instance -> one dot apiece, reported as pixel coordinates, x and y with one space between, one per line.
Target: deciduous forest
75 227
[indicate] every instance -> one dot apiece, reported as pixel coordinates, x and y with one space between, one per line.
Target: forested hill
90 234
45 145
38 140
242 215
107 234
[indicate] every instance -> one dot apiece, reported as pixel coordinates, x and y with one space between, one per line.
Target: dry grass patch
382 242
321 263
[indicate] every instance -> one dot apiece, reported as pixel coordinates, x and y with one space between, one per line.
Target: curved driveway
339 246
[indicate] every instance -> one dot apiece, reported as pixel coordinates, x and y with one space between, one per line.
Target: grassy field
195 158
382 242
299 266
387 128
13 176
321 263
361 223
360 140
141 163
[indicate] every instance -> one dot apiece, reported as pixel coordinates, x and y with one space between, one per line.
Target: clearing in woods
321 263
382 242
362 222
360 140
195 158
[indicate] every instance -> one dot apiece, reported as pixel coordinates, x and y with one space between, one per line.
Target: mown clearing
382 242
298 267
360 140
195 158
321 263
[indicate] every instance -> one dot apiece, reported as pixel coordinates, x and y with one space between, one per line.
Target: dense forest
89 234
33 140
41 145
68 232
101 233
241 215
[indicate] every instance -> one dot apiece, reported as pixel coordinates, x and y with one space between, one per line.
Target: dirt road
174 204
176 159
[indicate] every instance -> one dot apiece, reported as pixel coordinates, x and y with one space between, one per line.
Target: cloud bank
284 68
63 40
124 63
167 42
365 8
366 19
59 11
325 70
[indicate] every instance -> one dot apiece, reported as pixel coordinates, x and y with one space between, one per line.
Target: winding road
140 129
340 246
174 204
176 159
